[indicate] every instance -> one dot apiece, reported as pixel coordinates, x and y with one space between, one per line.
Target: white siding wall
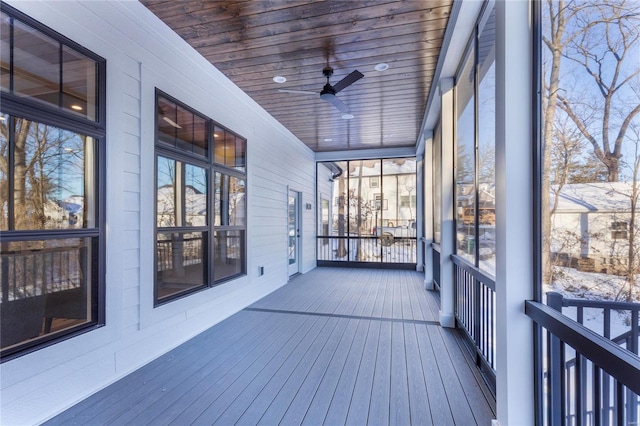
142 54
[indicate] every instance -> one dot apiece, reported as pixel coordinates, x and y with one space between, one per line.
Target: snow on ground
574 284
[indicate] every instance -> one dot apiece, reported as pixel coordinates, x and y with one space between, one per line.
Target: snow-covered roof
603 197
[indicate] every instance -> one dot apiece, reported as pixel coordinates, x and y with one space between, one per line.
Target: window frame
208 163
52 115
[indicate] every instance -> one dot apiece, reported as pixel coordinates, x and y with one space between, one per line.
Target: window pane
181 128
49 177
4 179
218 141
46 287
5 52
218 200
486 147
196 195
237 202
79 84
465 162
181 263
165 193
228 256
241 160
437 184
36 64
230 149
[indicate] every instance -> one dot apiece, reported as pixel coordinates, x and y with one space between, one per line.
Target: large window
51 154
372 213
475 150
200 201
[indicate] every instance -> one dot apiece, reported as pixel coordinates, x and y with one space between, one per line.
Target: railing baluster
596 395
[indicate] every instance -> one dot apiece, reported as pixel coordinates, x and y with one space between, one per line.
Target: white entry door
294 232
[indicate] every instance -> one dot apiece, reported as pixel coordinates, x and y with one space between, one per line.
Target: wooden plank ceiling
253 41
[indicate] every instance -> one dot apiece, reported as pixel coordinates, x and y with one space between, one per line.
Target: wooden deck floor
334 346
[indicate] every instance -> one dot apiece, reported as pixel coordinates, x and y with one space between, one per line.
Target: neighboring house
590 225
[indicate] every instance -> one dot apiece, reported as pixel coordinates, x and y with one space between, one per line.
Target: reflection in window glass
166 193
36 64
230 149
46 70
229 200
465 162
48 176
228 256
237 201
437 184
46 288
195 194
181 128
181 194
5 53
181 263
4 177
79 83
486 147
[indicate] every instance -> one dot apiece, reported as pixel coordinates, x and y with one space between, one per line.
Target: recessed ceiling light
328 140
76 107
279 79
381 67
387 136
347 116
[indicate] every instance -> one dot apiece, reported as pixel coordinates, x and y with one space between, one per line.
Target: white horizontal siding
142 54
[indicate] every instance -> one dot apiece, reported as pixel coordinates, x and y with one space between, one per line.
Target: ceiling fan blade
302 92
341 106
348 80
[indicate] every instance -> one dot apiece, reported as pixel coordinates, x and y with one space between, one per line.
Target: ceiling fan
328 92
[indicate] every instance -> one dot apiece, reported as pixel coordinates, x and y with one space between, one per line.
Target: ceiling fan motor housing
327 92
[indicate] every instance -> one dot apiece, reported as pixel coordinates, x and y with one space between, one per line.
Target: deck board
334 346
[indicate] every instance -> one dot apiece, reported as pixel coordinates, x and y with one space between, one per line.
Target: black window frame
53 115
207 162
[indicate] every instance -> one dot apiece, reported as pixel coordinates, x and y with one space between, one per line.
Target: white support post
427 207
514 212
448 231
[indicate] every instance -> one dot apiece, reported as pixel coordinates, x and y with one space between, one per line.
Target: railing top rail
436 247
478 274
629 306
611 358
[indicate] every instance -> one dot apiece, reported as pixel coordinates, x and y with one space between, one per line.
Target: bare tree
602 47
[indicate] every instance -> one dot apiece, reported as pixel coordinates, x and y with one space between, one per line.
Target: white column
448 231
427 208
514 212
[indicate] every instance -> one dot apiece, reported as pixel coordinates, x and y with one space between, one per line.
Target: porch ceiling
253 41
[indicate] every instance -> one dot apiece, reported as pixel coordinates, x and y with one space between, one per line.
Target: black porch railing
576 370
475 310
435 252
586 378
385 249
